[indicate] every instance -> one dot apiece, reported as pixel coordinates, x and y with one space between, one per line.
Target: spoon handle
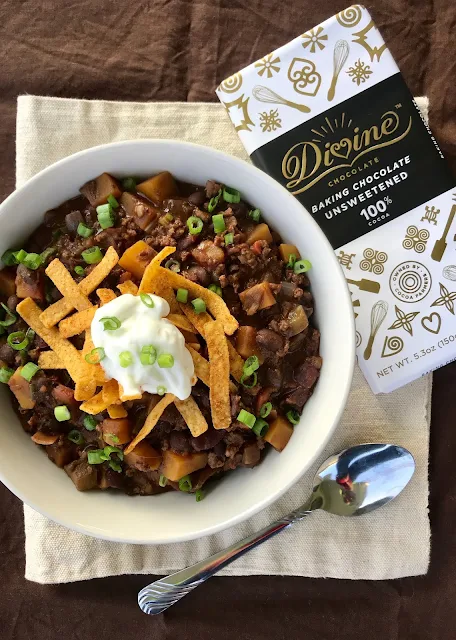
162 594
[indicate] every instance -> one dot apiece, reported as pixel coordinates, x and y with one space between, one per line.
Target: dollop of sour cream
143 326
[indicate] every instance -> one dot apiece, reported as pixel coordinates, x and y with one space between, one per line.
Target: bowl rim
345 383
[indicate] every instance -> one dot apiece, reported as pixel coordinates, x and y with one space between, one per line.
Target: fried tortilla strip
106 295
181 322
77 323
149 276
57 311
202 368
64 282
124 398
151 421
94 405
50 360
192 415
117 411
128 287
96 370
236 362
152 283
85 389
110 392
200 321
219 362
66 352
214 303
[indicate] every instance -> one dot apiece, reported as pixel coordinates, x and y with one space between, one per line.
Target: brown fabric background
180 50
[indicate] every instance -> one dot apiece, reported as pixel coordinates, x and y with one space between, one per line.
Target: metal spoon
351 483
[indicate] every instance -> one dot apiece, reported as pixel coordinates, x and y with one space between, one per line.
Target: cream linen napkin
390 543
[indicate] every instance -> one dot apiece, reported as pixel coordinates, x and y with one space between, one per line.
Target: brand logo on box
306 163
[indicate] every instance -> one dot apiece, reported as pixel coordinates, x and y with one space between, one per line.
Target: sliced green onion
260 427
62 413
165 361
125 359
129 184
199 495
246 418
231 195
229 239
110 450
219 223
30 334
20 256
301 266
9 257
147 300
291 260
92 255
165 219
32 261
161 390
110 323
96 456
90 423
5 374
112 201
293 416
83 230
199 305
148 354
245 378
76 437
17 340
47 253
216 289
29 370
265 409
105 216
213 202
185 484
112 437
250 365
80 271
115 466
95 356
255 214
162 482
10 318
173 265
195 225
182 295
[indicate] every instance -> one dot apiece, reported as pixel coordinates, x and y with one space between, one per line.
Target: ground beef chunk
271 344
207 440
215 461
7 354
305 377
212 188
179 441
197 198
82 474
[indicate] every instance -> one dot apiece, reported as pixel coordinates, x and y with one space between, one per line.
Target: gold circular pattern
412 231
378 269
407 243
369 254
365 265
358 339
423 234
381 256
420 247
350 17
410 281
232 84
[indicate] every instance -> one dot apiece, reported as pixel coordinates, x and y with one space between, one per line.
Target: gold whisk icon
263 94
378 315
340 55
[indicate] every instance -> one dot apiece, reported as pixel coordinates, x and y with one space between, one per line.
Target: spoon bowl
350 483
361 479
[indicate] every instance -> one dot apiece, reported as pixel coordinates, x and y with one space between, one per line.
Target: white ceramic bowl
173 517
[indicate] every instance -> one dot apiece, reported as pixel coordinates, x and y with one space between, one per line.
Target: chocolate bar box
330 117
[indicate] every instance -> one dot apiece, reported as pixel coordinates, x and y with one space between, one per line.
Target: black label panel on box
360 164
